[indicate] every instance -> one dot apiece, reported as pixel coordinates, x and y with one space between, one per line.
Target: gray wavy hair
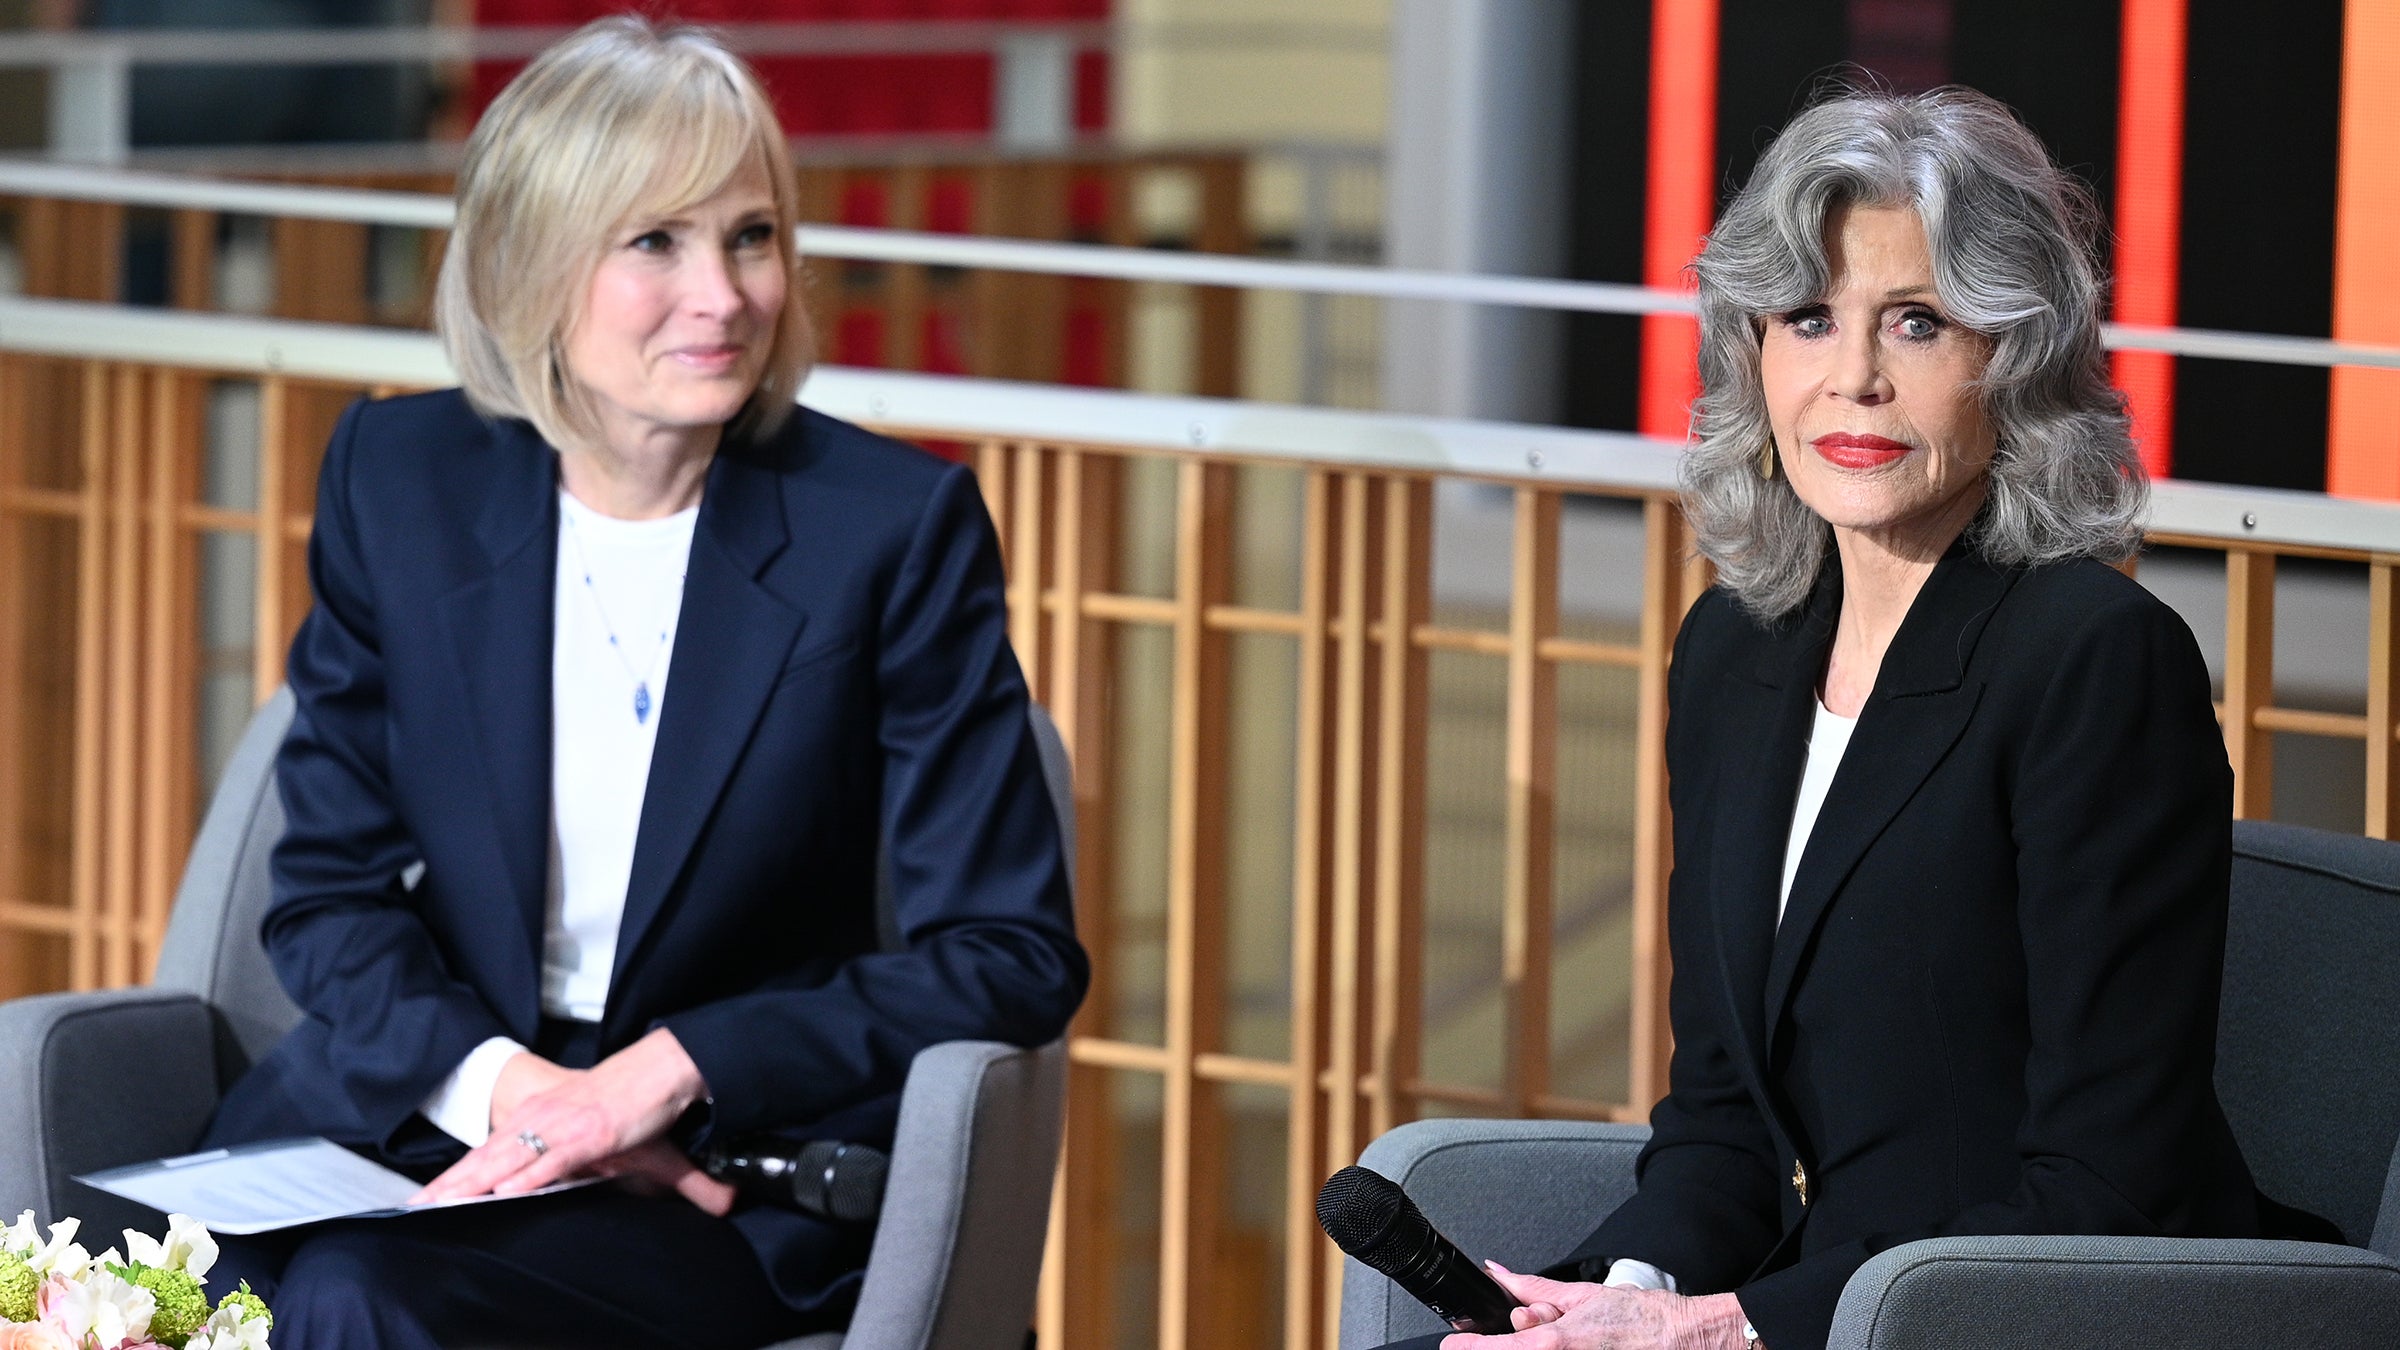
2010 236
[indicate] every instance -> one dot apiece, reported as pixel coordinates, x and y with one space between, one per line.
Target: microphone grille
1356 1207
858 1178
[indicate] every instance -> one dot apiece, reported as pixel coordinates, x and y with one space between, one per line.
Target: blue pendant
641 701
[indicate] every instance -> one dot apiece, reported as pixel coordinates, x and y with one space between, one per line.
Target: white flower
229 1329
101 1309
19 1237
61 1255
188 1247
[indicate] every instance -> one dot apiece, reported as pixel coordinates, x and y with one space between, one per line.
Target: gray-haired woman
1951 807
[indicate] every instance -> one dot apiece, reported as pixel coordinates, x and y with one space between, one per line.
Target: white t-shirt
618 597
1827 742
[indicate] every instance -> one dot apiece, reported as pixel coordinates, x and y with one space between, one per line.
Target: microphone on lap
1368 1216
824 1178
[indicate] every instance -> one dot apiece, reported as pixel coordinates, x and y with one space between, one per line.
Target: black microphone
1370 1217
831 1180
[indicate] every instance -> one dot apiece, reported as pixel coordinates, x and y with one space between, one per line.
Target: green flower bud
18 1285
181 1305
252 1305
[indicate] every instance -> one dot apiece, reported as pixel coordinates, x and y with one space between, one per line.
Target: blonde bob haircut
620 121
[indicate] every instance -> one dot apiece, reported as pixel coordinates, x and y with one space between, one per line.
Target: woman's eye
1919 325
652 241
1808 323
755 236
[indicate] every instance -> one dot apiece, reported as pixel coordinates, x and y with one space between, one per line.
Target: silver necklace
640 678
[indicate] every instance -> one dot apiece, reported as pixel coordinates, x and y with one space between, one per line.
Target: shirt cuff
1626 1273
462 1106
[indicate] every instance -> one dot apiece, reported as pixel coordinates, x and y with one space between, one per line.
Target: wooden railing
1352 851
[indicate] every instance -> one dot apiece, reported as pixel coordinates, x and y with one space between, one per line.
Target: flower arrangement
56 1296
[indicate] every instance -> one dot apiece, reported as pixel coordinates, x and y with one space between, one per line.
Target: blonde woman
621 668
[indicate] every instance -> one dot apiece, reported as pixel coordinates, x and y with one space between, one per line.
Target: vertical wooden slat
2250 679
274 453
1095 1171
91 700
15 693
1345 1012
1025 561
1526 899
2383 700
1407 568
120 872
992 475
1653 826
192 269
165 714
1066 701
1191 1156
1308 1259
1223 228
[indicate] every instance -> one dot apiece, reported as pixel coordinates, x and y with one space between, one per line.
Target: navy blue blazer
841 676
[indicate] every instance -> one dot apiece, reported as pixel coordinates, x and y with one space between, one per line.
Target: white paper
280 1183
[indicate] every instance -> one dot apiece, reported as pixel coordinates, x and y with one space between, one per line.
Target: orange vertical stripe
2362 453
2149 215
1681 199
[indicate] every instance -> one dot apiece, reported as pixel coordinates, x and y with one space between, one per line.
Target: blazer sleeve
2121 809
341 930
1705 1209
978 872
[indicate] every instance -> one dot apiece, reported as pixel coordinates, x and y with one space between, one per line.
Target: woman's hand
1559 1315
585 1121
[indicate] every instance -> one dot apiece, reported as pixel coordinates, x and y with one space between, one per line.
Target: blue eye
652 241
1812 322
1920 325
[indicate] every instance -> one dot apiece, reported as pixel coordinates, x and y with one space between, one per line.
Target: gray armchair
2308 1068
95 1080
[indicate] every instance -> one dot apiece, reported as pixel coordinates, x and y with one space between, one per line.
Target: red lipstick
1858 450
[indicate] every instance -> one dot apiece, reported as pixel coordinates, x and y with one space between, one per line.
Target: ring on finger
532 1141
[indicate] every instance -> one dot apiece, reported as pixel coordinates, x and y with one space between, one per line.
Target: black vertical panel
1606 201
2261 138
1773 58
2055 63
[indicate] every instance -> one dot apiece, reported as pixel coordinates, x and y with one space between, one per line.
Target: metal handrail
952 406
433 211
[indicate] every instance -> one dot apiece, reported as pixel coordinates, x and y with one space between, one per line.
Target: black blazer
841 675
1991 1005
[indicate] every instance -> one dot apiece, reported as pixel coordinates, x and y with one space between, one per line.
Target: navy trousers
595 1268
586 1269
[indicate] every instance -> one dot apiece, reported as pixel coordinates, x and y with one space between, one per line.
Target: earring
1766 460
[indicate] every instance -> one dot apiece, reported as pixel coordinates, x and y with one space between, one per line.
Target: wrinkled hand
1563 1315
590 1122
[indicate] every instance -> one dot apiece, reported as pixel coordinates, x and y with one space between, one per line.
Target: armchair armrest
96 1080
2065 1293
958 1249
1520 1192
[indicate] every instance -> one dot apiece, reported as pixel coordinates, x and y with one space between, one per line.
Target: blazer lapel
731 640
1920 705
500 631
1766 705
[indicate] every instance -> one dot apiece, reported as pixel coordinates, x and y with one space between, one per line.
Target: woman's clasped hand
1574 1315
553 1124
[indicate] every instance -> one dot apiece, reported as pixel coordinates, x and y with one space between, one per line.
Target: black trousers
588 1269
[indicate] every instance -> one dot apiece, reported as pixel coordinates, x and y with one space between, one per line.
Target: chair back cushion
1520 1192
2308 1042
212 947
